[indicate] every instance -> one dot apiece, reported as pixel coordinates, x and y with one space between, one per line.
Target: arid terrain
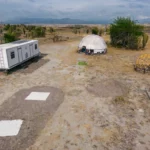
99 106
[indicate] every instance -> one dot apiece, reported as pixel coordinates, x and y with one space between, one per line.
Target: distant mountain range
62 21
54 21
145 21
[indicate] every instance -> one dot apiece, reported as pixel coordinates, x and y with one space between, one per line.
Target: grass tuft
82 63
119 100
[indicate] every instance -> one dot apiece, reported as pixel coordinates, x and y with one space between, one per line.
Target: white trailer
16 53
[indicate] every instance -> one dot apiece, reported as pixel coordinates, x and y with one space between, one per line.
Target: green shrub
82 63
38 32
145 39
7 27
95 30
51 30
119 100
9 37
124 32
87 31
75 31
1 31
101 31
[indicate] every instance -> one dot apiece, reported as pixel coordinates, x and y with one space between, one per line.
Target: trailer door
12 57
31 50
20 58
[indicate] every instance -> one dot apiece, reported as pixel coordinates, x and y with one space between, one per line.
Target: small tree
24 31
17 33
87 31
75 31
124 32
7 27
145 39
9 37
1 39
101 31
51 30
31 27
55 38
1 31
95 30
38 32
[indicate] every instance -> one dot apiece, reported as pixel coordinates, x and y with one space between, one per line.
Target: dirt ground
86 119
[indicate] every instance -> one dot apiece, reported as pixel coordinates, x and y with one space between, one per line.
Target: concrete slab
10 127
38 96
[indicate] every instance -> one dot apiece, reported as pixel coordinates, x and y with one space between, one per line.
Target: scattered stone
141 110
94 146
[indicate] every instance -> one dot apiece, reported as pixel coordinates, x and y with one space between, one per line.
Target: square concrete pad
10 127
38 96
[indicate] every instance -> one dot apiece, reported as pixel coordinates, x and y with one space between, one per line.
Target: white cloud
80 9
143 17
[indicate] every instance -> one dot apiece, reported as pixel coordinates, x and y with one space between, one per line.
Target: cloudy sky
76 9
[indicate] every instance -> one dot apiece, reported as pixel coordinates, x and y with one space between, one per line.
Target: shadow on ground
30 66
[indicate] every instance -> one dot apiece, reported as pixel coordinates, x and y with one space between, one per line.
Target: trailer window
35 46
12 54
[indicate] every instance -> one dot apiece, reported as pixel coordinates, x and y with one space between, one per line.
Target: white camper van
15 53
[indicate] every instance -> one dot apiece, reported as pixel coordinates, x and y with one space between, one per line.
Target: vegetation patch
126 33
98 31
119 100
82 63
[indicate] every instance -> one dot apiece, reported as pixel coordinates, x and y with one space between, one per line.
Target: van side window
35 46
12 54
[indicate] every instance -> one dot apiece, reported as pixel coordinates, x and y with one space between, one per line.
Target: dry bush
119 100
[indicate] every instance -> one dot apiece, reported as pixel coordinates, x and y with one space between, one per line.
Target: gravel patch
108 88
